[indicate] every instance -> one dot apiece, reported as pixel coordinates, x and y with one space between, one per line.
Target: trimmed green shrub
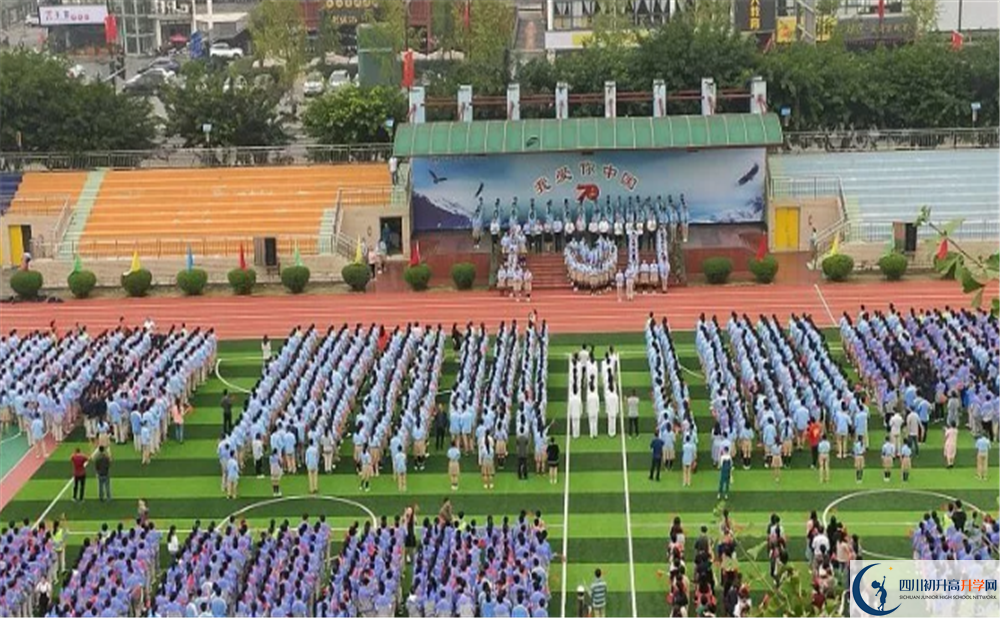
418 276
357 276
81 283
717 269
464 275
192 282
838 267
242 281
764 270
26 283
137 284
893 266
295 278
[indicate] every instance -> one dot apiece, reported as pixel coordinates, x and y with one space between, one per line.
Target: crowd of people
29 561
466 569
514 278
955 535
592 381
366 577
127 384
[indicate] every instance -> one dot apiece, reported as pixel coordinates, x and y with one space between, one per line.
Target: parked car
313 85
148 82
339 78
223 50
165 62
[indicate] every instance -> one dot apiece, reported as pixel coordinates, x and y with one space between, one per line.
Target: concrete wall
42 232
866 254
363 221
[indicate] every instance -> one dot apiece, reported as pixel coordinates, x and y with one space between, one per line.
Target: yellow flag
358 258
136 265
835 247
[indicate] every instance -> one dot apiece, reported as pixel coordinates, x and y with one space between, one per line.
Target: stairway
548 271
81 212
530 36
326 230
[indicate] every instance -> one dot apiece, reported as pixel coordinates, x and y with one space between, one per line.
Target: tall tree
239 113
278 32
353 115
53 112
925 12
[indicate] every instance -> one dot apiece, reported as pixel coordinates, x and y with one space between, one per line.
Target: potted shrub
295 278
418 277
81 283
838 267
356 276
242 281
192 282
464 275
893 266
765 269
717 269
137 283
26 283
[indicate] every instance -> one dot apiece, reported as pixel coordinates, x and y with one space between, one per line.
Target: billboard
719 186
755 15
72 14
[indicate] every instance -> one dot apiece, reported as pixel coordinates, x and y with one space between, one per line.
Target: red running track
567 312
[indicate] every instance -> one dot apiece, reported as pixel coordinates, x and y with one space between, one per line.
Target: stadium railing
166 157
206 246
852 140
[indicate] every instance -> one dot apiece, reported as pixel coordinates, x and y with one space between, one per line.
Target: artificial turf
183 484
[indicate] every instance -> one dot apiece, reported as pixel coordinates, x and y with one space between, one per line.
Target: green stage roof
520 136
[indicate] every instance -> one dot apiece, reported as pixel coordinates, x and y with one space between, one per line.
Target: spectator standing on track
227 411
102 464
632 411
598 596
79 461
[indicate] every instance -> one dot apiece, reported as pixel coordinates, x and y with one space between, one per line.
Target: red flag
415 254
408 69
942 251
881 10
761 248
957 40
466 14
243 258
110 29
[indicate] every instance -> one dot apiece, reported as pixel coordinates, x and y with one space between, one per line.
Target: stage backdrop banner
719 186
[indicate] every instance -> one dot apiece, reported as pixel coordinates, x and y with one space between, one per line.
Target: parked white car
223 50
313 86
338 79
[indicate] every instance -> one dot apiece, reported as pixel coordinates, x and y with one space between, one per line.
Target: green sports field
183 484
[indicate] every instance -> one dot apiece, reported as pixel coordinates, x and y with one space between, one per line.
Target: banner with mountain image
719 186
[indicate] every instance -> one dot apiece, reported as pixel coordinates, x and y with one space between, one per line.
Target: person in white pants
611 404
574 409
593 406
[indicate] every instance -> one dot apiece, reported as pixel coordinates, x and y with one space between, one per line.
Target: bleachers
892 186
46 192
200 204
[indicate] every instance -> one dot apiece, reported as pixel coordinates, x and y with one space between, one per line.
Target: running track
251 317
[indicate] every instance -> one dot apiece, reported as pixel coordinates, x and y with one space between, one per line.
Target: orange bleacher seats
204 204
47 192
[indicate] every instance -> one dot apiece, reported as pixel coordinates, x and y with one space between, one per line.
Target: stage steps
548 271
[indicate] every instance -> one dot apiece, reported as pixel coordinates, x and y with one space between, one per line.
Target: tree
56 113
279 33
486 43
353 115
926 14
240 113
973 273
